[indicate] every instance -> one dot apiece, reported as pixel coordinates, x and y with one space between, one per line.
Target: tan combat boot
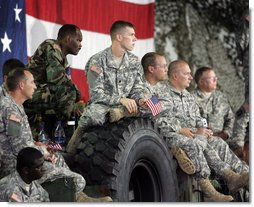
74 141
235 181
210 192
115 114
82 197
183 160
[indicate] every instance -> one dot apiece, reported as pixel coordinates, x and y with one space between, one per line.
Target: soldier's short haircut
27 157
174 65
14 78
200 72
117 26
149 59
67 29
10 65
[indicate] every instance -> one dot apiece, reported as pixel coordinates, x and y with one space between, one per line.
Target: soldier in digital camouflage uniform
114 79
8 66
56 94
155 73
215 108
240 138
21 185
183 127
15 134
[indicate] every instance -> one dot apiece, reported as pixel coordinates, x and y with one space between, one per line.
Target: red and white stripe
94 17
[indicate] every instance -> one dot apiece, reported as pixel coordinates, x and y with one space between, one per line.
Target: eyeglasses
211 78
165 66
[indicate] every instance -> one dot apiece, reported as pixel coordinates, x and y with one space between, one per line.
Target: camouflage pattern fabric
241 132
54 89
182 112
220 117
3 91
108 83
227 155
13 189
15 134
216 110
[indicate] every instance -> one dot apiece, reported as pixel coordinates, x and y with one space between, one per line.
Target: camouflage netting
203 34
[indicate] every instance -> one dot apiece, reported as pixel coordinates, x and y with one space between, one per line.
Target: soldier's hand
186 132
79 107
245 107
221 134
130 104
205 132
142 103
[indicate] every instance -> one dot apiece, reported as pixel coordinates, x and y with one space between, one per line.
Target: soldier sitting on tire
114 79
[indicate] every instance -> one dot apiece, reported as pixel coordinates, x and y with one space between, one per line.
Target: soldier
56 94
183 127
240 138
114 78
21 185
155 73
215 108
15 134
8 66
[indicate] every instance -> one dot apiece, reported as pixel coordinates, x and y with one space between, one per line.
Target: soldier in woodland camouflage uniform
21 185
183 127
240 138
215 108
15 133
114 79
56 94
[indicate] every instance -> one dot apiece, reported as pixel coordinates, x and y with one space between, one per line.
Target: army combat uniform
220 117
14 189
109 83
3 91
55 93
241 127
181 111
15 134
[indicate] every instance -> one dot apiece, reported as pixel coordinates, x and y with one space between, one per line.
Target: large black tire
131 159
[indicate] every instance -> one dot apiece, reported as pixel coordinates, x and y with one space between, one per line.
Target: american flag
24 24
154 105
12 31
55 146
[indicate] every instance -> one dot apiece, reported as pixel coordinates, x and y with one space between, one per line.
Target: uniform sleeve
167 123
229 120
138 89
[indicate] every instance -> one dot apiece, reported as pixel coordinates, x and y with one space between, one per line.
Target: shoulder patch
96 69
14 117
15 197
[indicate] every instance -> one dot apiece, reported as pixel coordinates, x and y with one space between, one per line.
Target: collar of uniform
174 90
110 60
25 187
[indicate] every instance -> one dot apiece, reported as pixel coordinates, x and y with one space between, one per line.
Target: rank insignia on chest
96 69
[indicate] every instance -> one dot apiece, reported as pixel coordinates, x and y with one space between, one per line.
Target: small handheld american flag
55 146
154 105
